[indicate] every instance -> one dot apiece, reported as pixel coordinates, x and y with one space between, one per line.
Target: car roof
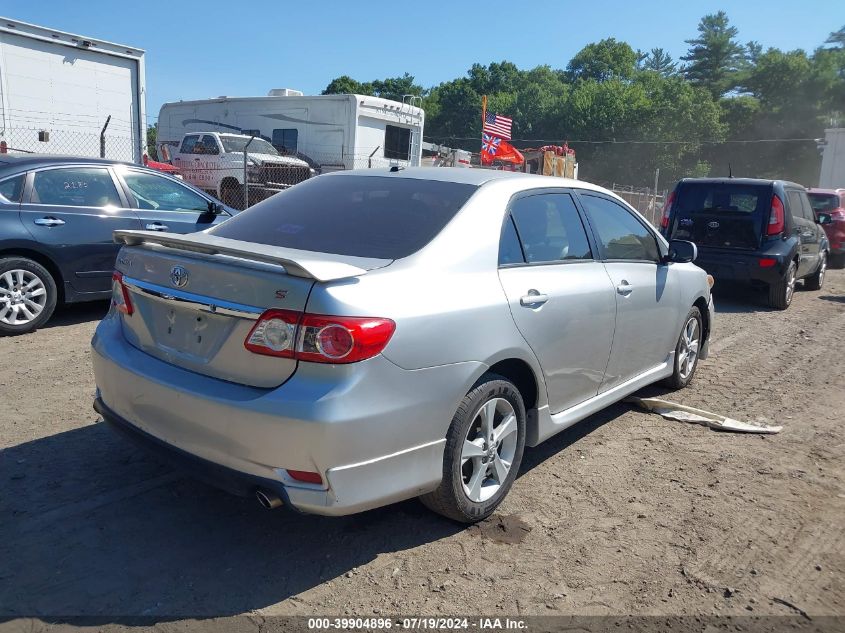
741 181
32 161
468 176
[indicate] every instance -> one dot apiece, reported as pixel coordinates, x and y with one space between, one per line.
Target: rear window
742 208
363 216
822 202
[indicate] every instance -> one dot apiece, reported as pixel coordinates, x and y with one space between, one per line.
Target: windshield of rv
364 216
237 144
823 202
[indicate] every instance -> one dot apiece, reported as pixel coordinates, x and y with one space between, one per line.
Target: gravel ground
626 513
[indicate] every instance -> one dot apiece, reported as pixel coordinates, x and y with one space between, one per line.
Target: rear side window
550 228
75 187
363 216
285 140
11 188
621 235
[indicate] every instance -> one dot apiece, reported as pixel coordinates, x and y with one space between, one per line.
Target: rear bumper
743 267
375 432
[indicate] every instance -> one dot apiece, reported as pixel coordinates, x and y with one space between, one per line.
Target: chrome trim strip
191 300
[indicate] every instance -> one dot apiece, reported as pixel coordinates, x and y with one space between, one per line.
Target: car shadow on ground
76 313
92 526
736 298
834 298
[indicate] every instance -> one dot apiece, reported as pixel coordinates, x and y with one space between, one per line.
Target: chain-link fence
647 201
116 144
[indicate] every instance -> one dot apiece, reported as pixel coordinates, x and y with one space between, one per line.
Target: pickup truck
214 162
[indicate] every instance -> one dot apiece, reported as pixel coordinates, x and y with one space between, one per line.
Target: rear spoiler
308 264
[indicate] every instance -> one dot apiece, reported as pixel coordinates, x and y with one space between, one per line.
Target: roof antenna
730 171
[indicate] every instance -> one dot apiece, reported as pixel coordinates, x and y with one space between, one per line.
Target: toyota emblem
179 276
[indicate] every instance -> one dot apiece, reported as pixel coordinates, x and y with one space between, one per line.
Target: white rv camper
58 91
331 132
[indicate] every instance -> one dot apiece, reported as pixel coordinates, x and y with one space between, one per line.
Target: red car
832 201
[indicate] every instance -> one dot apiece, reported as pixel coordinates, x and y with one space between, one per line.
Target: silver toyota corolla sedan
370 336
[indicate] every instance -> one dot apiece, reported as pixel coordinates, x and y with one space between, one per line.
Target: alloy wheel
489 449
690 342
790 284
23 297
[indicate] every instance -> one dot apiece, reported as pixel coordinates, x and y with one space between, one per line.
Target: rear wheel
780 293
27 295
816 280
687 350
484 447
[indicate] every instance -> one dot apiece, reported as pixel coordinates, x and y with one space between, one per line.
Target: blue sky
204 49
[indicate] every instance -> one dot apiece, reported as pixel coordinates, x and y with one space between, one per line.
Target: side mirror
215 208
681 252
823 218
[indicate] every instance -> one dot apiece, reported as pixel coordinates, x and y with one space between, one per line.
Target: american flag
498 125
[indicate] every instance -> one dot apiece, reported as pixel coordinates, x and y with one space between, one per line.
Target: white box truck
57 90
330 132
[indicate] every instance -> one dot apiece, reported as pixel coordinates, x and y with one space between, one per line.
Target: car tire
28 289
837 261
816 280
687 350
781 292
232 196
476 474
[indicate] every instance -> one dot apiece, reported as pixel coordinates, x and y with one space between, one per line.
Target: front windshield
237 143
823 201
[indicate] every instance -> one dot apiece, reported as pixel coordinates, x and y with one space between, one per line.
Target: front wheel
687 350
780 293
816 280
27 295
484 447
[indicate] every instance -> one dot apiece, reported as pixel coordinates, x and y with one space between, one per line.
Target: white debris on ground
683 413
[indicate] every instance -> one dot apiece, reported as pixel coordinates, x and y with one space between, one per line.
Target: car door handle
48 221
624 288
156 226
533 299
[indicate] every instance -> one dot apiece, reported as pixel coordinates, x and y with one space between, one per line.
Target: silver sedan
371 336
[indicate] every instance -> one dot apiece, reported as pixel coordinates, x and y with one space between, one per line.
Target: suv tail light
775 217
120 295
667 210
319 338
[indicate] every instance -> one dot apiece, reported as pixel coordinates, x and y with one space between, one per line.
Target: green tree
604 60
837 38
658 61
345 85
715 57
152 133
396 88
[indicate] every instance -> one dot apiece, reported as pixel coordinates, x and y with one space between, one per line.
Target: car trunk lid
721 215
195 298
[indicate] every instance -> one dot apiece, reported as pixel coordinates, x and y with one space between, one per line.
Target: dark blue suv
753 231
57 215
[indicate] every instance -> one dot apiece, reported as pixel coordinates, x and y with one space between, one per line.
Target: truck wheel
483 452
232 195
28 295
780 292
816 280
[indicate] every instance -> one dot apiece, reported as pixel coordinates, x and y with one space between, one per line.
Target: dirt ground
626 513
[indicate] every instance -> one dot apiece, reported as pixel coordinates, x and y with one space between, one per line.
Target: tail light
767 262
120 295
319 338
775 217
667 210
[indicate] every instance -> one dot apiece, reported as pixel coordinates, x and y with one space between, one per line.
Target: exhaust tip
268 500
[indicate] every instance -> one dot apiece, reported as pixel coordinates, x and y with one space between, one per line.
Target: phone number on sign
387 623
